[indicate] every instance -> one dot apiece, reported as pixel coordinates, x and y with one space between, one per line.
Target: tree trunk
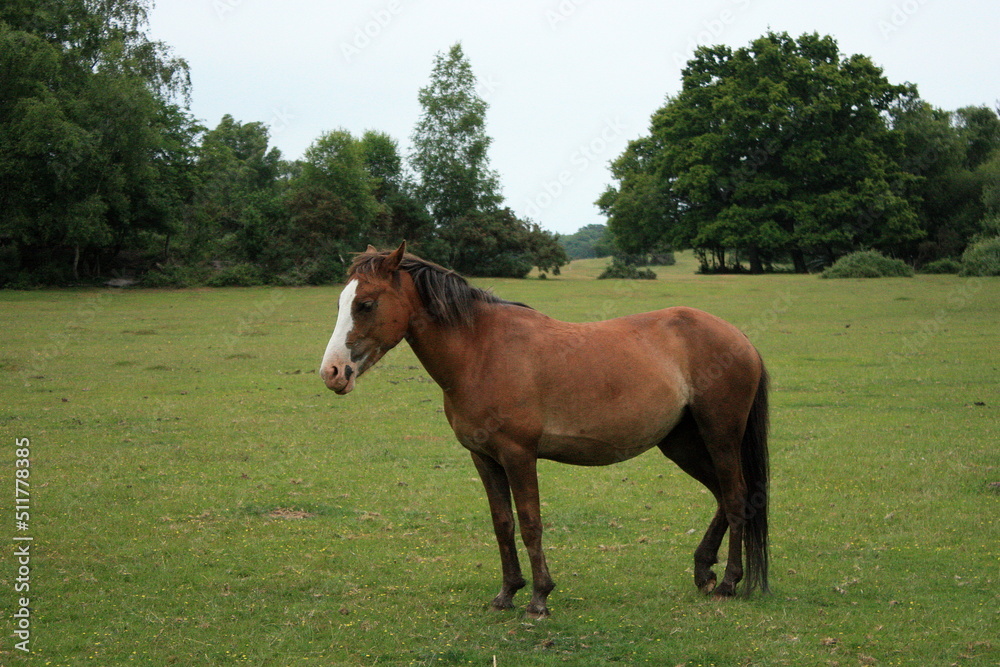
754 254
799 259
76 262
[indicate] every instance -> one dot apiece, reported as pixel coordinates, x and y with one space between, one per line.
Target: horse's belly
585 452
611 441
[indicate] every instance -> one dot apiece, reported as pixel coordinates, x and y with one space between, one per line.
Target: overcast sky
568 82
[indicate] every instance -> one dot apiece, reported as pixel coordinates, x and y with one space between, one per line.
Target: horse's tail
755 474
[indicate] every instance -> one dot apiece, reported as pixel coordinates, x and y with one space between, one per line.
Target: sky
568 82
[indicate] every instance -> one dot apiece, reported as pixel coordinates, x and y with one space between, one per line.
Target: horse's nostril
333 371
348 372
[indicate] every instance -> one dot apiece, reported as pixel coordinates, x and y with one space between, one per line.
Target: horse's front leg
523 478
498 493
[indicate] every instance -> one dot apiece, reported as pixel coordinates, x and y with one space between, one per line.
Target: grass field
197 497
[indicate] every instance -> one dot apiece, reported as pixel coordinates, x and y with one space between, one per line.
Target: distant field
199 498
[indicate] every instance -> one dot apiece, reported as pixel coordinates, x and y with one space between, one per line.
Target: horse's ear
371 248
394 259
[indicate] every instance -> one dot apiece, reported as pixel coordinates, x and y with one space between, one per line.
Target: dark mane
448 298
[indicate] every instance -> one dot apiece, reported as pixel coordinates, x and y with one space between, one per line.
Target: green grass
198 496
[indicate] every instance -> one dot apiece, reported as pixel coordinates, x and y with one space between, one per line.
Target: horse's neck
444 350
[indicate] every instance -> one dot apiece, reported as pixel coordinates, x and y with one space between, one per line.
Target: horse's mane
448 298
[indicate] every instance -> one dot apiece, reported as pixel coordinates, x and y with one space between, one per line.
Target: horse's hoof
499 604
724 591
537 614
708 585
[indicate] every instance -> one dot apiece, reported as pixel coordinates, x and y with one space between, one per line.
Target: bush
946 265
174 275
619 269
982 258
237 275
868 264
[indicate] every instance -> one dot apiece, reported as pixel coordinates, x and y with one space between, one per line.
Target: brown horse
519 386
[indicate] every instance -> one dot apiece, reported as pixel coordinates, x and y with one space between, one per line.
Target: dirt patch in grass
289 513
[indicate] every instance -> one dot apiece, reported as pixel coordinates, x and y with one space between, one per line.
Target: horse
520 386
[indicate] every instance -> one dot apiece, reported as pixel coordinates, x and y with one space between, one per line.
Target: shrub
982 258
237 275
174 275
618 269
868 264
946 265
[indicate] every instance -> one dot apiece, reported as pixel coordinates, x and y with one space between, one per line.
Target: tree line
786 154
105 172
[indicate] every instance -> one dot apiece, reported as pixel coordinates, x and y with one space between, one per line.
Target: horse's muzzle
339 378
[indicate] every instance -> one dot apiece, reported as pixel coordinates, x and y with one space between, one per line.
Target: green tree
588 241
336 162
953 157
781 147
401 216
380 153
237 177
332 209
90 125
498 244
450 153
979 131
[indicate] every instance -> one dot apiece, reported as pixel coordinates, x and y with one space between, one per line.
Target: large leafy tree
778 148
94 141
400 215
499 244
473 232
450 144
237 185
332 208
953 157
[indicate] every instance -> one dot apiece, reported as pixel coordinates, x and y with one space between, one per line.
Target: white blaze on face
336 349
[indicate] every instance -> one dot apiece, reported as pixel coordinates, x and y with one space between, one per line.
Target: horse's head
374 315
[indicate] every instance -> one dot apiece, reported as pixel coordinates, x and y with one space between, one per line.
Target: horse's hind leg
685 447
707 553
723 445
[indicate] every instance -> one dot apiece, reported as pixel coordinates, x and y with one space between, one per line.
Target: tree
89 131
331 206
401 215
953 157
979 131
237 175
497 244
588 241
336 162
380 154
781 147
450 153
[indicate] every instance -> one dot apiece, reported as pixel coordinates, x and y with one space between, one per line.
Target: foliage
496 243
104 170
955 157
93 149
945 265
401 215
868 264
588 241
780 147
619 268
450 144
662 258
982 258
176 275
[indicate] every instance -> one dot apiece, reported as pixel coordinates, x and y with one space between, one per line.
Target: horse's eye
365 306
